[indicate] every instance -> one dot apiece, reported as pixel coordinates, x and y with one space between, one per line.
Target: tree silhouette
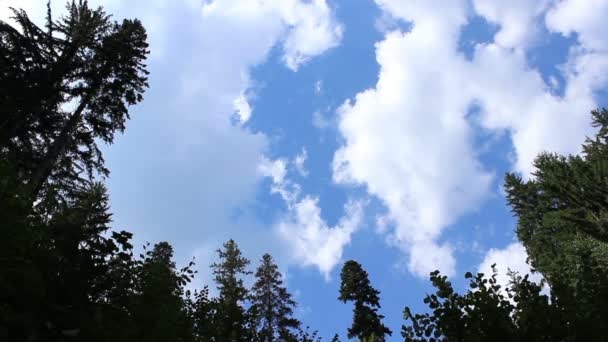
203 311
159 310
356 287
228 272
63 273
484 313
272 305
64 88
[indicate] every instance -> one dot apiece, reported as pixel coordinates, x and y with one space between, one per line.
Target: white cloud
409 142
277 171
308 239
427 256
298 162
511 258
242 108
312 30
518 19
307 28
311 240
516 99
586 18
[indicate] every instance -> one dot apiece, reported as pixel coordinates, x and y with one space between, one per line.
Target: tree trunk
44 170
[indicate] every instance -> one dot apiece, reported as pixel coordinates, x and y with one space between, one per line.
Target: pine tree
159 311
61 276
356 287
272 304
563 223
83 58
228 272
64 88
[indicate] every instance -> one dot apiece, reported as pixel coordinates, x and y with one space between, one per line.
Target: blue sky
328 130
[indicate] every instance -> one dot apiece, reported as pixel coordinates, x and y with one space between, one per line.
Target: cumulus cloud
519 20
307 28
512 258
585 18
309 239
409 139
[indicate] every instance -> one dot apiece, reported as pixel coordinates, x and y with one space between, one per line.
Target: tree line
65 275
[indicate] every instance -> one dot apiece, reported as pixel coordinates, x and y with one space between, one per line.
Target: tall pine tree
66 87
356 287
159 310
271 305
228 275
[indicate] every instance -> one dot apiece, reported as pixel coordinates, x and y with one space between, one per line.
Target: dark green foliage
356 287
159 310
64 274
563 223
228 272
203 312
63 88
61 272
271 305
304 335
484 313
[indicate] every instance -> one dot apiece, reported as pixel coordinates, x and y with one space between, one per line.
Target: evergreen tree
272 305
228 272
63 274
159 311
83 59
356 287
563 223
60 282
